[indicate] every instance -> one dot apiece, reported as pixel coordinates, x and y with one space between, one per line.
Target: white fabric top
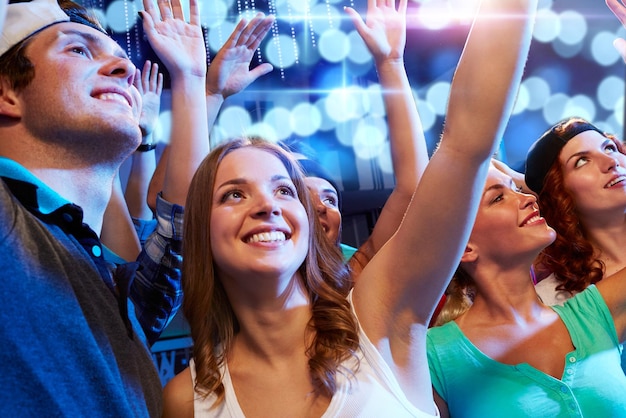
373 391
546 289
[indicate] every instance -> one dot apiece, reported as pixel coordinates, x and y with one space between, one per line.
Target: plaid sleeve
157 291
144 228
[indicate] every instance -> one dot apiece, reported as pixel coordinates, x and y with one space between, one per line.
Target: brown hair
571 257
18 69
208 311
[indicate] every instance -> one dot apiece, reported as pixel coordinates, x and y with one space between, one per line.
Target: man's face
82 97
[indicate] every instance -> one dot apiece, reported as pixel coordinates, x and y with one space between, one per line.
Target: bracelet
146 147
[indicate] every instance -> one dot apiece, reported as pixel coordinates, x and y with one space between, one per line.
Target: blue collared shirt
153 283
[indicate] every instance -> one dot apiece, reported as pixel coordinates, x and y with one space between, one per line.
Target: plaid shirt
156 291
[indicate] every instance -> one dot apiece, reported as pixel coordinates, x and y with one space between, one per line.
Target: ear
10 104
470 254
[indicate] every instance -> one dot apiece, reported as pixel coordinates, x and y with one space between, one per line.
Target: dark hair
18 69
208 310
571 257
544 152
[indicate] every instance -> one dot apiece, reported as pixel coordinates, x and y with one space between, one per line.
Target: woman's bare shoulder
178 396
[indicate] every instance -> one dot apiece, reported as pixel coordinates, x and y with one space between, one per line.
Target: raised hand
229 72
179 45
619 10
150 85
384 28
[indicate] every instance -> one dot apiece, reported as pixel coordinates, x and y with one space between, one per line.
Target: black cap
544 152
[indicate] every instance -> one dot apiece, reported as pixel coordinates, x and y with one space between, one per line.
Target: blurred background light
325 91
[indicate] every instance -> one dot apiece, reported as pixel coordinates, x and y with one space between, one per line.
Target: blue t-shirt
592 385
347 251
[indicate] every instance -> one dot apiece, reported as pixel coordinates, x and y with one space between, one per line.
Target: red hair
572 258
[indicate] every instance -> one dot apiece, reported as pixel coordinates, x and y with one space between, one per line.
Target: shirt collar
47 199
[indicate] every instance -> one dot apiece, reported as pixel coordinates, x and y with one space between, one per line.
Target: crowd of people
246 237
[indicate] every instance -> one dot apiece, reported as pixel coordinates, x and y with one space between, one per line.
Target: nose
267 206
527 199
120 67
609 161
320 207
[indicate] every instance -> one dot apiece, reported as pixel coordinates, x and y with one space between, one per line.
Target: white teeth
614 182
268 237
114 97
532 220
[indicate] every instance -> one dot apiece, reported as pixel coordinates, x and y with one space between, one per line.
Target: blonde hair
459 298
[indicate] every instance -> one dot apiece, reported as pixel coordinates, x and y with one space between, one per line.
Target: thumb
620 46
261 70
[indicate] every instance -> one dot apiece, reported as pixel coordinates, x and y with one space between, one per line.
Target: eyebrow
96 40
240 180
585 152
331 191
499 186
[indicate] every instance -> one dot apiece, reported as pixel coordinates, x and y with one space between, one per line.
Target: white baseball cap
25 18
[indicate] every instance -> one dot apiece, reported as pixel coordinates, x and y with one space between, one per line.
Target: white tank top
372 392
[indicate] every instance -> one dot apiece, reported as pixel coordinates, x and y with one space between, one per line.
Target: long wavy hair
209 313
571 257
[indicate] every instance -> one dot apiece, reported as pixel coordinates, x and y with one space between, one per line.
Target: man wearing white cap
72 342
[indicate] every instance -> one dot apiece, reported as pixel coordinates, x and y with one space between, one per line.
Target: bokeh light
325 89
276 117
235 121
305 119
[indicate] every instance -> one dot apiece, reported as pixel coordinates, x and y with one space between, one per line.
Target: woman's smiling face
258 224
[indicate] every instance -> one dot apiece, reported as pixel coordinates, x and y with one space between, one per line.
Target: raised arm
384 33
180 46
143 161
118 232
613 288
398 290
156 289
619 10
228 74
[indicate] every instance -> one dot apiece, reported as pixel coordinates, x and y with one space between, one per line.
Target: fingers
177 9
620 45
618 9
148 16
137 81
247 36
402 6
165 9
258 34
153 82
159 87
145 80
261 70
194 12
357 20
234 36
149 79
173 9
